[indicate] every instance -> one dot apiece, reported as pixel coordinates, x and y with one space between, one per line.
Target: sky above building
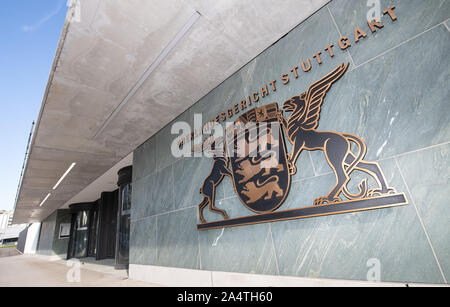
29 31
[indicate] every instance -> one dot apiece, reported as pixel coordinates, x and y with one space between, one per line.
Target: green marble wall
395 96
49 242
60 245
46 235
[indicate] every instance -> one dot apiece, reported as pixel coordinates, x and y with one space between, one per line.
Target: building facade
9 233
378 87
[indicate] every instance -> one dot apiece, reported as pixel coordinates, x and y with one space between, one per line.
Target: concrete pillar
32 238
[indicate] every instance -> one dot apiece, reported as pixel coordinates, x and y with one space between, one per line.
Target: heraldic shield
260 168
258 158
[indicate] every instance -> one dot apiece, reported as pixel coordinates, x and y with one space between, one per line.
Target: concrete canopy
101 102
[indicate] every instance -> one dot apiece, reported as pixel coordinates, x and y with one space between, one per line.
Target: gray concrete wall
395 96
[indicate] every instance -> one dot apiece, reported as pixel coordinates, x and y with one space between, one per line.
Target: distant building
9 233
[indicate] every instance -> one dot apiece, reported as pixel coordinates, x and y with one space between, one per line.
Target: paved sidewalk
31 271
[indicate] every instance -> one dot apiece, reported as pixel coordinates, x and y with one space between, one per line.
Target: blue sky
29 35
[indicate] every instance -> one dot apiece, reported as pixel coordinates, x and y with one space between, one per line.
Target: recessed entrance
101 229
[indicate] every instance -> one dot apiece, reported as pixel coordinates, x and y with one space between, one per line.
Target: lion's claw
291 166
325 201
379 192
292 169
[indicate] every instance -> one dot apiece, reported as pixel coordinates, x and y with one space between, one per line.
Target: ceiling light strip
64 175
45 199
150 70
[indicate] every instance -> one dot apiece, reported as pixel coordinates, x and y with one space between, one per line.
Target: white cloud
43 20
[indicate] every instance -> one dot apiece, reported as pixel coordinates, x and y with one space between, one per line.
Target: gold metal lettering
317 57
329 48
344 43
255 96
264 91
274 88
372 24
359 33
305 69
391 13
285 79
294 70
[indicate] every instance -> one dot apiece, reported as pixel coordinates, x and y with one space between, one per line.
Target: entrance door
93 231
123 246
123 219
106 241
79 235
83 230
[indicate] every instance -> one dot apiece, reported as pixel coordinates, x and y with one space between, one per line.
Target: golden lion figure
249 170
301 131
267 189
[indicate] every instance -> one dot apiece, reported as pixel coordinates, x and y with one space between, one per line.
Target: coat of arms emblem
260 174
256 159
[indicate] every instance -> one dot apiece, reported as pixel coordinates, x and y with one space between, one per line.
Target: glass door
122 257
93 229
123 218
80 242
107 225
83 230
